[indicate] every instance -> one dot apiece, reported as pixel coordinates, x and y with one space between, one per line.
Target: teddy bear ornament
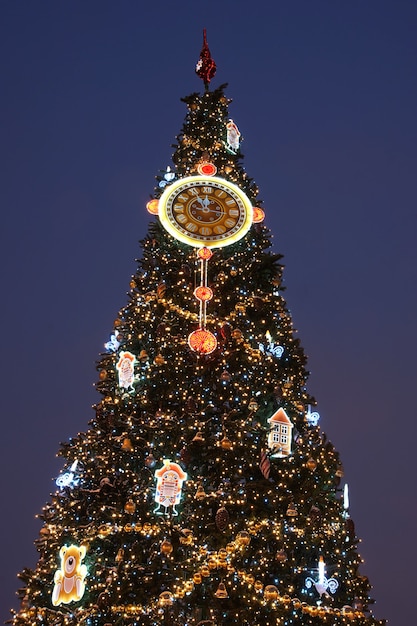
69 579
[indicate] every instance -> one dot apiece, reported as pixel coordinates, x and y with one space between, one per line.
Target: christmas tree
204 491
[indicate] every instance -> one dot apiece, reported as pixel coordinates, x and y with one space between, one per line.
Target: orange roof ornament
206 66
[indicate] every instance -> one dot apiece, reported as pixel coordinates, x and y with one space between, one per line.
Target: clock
205 211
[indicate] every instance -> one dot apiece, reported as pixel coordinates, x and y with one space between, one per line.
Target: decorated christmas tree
204 491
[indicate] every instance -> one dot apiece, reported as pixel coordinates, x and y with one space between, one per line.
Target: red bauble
202 341
206 169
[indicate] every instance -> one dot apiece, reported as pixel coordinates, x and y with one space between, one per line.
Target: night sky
325 95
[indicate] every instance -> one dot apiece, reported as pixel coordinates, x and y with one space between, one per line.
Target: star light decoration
322 584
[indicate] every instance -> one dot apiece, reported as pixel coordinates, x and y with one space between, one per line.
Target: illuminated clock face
205 211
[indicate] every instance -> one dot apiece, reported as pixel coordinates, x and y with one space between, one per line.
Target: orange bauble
203 293
205 254
202 341
152 206
258 215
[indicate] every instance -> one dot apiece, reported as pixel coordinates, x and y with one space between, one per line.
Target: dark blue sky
325 95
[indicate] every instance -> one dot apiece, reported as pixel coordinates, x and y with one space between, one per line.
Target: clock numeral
191 227
193 191
220 193
229 223
178 207
205 231
181 218
234 213
230 202
207 189
182 197
219 230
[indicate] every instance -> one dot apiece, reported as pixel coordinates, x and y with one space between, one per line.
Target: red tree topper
206 66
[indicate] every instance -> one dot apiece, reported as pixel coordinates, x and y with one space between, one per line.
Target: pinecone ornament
222 519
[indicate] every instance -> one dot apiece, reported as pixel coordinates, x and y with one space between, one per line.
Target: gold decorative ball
226 444
270 593
311 464
166 547
243 538
130 507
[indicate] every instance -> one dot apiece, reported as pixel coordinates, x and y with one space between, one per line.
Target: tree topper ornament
169 479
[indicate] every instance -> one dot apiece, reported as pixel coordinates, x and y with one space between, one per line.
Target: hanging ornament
202 341
270 593
203 293
232 137
221 591
265 464
120 555
204 253
311 464
69 585
170 478
243 538
226 444
130 507
206 67
292 510
166 599
225 376
143 356
281 556
258 215
222 519
166 547
206 169
280 434
126 369
127 445
150 460
322 584
200 494
152 206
